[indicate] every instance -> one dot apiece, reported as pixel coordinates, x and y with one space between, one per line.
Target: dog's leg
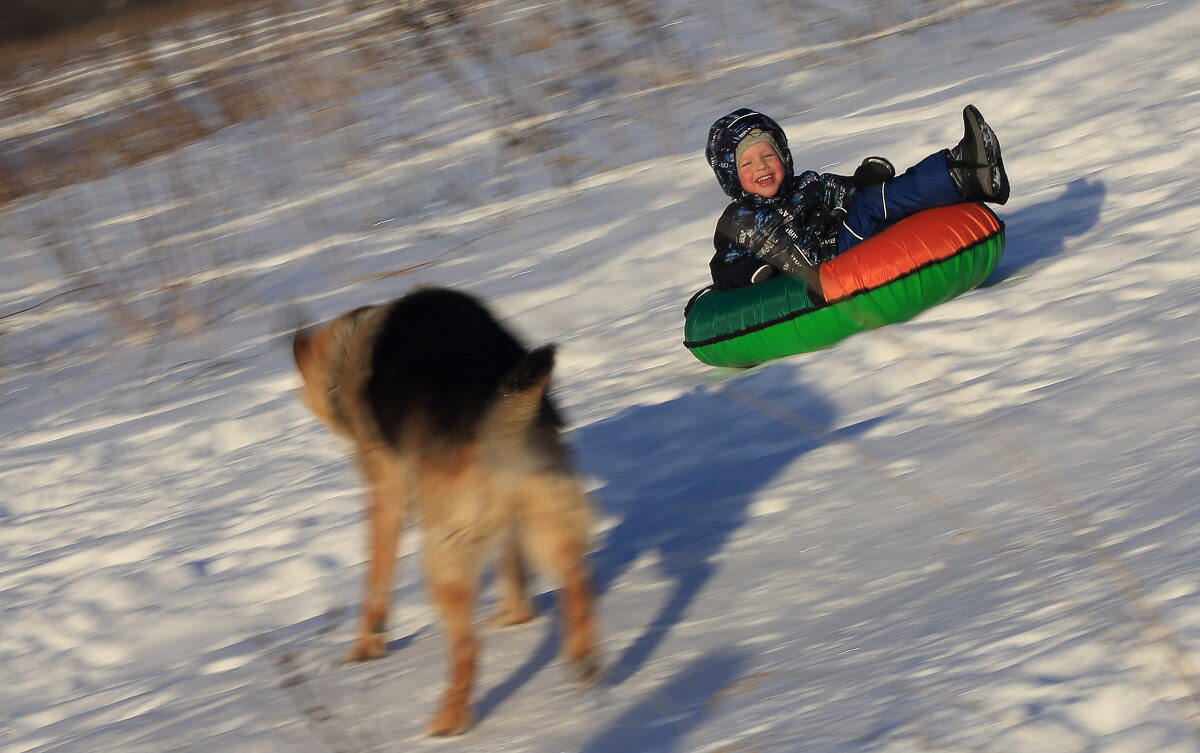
385 516
556 535
451 571
513 607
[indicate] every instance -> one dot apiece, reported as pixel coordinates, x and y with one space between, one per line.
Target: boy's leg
925 185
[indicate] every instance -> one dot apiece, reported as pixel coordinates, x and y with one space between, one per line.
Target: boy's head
749 154
759 165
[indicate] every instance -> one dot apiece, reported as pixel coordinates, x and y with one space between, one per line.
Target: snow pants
925 185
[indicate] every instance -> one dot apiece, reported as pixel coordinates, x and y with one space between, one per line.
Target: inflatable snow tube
919 262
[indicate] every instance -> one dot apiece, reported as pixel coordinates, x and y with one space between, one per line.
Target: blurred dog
446 409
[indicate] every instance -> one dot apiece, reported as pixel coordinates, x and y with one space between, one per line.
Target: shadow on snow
662 717
1039 232
680 477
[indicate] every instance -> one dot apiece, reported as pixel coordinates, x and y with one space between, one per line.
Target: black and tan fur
449 415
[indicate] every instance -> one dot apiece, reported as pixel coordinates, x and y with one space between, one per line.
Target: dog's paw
585 672
451 719
366 647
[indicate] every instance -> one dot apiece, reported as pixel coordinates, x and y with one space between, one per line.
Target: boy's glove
872 171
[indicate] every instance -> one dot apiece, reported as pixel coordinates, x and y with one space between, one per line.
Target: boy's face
760 170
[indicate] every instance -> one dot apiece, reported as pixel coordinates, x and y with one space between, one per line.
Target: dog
449 415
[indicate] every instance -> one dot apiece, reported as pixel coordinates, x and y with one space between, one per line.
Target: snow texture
973 531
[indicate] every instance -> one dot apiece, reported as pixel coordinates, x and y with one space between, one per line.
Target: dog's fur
446 409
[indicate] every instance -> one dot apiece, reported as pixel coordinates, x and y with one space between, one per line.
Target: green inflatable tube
916 264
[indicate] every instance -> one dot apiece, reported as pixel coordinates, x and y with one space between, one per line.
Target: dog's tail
519 403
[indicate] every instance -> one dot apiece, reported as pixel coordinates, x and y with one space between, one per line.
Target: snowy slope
974 531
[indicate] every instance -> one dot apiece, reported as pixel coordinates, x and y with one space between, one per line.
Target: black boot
975 164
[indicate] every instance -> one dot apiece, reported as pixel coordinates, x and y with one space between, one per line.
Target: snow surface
975 531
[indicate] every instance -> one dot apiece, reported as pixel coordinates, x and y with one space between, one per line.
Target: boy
782 222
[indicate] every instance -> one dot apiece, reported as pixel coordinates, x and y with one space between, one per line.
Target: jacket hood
723 139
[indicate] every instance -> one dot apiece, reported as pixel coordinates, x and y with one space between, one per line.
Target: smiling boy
760 168
782 222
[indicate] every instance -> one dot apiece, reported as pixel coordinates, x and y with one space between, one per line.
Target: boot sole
985 138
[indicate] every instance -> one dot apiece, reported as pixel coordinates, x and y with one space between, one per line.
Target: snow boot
975 164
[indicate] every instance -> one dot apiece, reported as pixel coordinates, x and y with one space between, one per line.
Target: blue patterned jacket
793 231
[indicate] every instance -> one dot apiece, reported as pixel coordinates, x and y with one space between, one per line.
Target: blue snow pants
925 185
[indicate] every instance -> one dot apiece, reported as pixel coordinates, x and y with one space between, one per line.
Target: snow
972 531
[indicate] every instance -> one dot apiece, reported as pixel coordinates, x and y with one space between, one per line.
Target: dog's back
441 355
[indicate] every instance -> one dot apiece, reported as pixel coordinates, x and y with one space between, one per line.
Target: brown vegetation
553 92
35 24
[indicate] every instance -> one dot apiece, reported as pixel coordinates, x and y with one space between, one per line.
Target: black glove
872 171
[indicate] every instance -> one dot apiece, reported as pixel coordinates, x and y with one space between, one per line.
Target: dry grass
129 22
104 100
120 91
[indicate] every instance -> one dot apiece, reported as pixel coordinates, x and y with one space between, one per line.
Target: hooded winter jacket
793 231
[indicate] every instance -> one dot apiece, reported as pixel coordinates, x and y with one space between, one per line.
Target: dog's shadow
1039 232
680 477
689 696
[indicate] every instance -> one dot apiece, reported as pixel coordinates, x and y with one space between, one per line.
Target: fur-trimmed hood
723 138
